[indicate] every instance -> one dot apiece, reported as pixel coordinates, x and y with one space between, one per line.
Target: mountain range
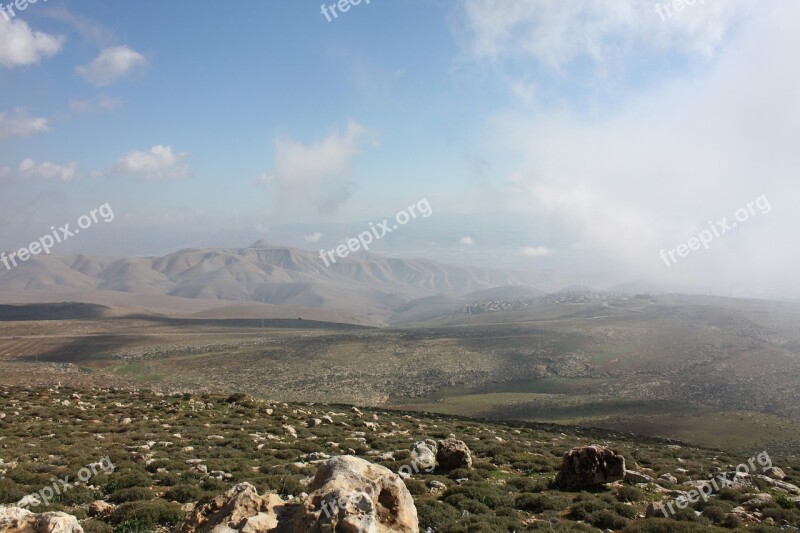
264 280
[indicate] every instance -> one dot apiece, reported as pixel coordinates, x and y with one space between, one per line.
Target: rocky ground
134 461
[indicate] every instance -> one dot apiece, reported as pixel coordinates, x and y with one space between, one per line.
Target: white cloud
536 251
101 102
558 33
654 172
157 164
29 169
111 65
318 173
314 237
20 45
21 125
469 241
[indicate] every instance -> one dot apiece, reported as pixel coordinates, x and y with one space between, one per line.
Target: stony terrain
714 372
173 453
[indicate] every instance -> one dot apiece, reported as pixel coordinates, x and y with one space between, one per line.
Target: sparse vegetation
188 447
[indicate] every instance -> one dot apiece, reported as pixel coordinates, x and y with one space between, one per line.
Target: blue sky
604 128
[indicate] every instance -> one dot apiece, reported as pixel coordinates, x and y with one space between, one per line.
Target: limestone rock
452 453
631 476
240 510
16 520
775 473
590 466
99 508
353 495
423 453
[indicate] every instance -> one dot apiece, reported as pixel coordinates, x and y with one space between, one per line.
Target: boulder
240 510
775 473
733 480
590 466
99 508
17 520
758 501
452 453
423 453
355 496
57 523
669 478
631 476
780 485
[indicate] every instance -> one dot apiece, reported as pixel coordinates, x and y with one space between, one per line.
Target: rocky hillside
99 460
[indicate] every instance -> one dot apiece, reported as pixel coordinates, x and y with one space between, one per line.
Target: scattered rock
99 508
758 501
775 473
780 485
669 478
590 466
423 453
437 485
631 476
452 453
734 480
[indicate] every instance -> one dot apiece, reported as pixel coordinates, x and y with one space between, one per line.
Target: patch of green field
602 354
140 371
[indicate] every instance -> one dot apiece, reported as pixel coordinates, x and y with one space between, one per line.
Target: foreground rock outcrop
241 509
349 494
354 495
17 520
590 466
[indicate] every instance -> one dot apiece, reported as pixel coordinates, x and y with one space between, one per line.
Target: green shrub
715 514
183 493
148 513
626 493
435 515
416 487
10 492
79 496
539 503
664 525
490 496
784 501
96 526
214 485
126 481
585 507
731 521
529 484
606 519
132 494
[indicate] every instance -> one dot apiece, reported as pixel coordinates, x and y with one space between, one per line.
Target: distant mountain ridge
366 284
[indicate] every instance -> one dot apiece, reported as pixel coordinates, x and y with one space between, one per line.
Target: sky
603 138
